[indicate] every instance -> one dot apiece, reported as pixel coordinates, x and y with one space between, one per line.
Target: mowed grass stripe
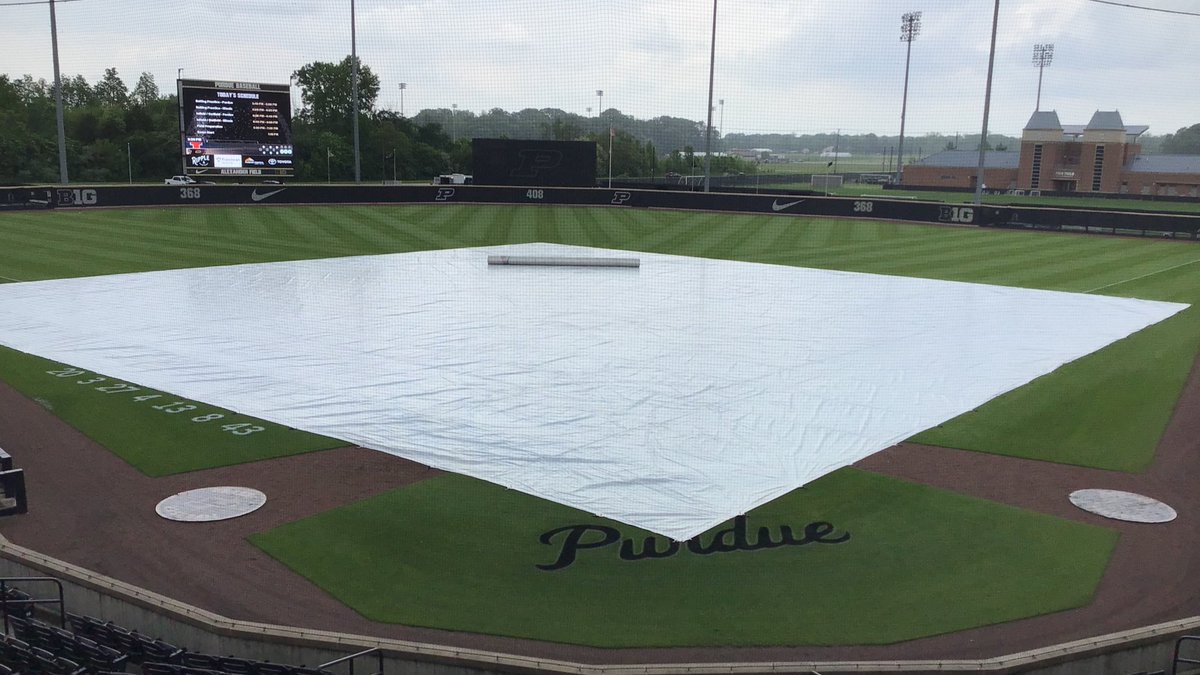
75 243
1096 275
186 245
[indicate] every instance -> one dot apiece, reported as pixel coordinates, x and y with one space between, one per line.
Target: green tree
111 90
145 90
77 93
326 91
1186 141
564 130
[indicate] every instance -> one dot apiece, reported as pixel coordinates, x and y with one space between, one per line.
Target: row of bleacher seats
66 644
157 657
84 645
18 656
136 647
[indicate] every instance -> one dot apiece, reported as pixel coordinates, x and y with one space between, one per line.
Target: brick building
1102 156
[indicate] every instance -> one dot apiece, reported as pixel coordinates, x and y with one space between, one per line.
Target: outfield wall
205 195
1101 221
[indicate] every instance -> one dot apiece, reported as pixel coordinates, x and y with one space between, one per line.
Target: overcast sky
782 66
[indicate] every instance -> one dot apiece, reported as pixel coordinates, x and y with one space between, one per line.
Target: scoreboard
235 128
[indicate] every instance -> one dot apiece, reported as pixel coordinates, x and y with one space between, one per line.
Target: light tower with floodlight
1043 54
910 28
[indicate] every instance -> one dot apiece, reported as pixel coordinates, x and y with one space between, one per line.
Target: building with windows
1102 156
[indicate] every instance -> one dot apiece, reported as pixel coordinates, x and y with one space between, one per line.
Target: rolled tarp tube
562 261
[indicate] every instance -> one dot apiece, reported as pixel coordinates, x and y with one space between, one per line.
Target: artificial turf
460 554
1106 410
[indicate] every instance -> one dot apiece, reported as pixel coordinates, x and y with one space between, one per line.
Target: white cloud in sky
801 66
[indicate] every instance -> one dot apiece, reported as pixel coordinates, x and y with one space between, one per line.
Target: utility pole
354 92
987 104
712 56
58 102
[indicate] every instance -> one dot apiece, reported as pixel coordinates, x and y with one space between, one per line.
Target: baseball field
859 557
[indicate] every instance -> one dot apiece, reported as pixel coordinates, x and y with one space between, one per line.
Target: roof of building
1106 120
1132 131
969 159
1102 120
1165 164
1044 119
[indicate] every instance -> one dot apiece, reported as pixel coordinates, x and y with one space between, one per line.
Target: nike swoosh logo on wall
256 197
776 206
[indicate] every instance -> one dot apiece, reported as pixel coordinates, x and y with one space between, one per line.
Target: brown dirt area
90 508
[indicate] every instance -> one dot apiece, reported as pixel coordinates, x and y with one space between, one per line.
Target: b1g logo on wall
81 197
956 214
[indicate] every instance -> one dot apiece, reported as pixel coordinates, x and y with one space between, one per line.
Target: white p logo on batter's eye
621 196
444 194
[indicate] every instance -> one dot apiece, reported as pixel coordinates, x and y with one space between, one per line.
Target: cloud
810 66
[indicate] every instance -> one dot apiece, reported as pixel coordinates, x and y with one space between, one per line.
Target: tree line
115 134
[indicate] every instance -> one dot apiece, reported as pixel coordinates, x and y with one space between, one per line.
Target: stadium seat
18 602
237 666
152 668
159 651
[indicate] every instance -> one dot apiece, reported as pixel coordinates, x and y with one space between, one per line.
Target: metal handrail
1177 659
351 658
5 602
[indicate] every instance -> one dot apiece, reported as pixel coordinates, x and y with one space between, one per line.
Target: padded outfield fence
805 204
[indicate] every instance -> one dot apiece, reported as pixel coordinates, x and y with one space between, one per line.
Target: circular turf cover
209 504
1120 505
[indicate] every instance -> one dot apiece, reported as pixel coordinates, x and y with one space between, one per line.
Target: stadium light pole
403 86
987 104
910 28
712 60
129 160
354 92
1043 54
58 102
721 122
600 109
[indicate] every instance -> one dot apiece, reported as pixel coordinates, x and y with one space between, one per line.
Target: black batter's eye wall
498 161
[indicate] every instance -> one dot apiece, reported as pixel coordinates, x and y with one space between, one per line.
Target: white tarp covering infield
669 397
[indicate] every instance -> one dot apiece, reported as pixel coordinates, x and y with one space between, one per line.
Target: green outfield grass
154 431
857 190
460 554
1106 410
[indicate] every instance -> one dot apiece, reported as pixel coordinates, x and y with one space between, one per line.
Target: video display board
235 128
502 161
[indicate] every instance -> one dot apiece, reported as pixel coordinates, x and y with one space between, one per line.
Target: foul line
10 279
1149 274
